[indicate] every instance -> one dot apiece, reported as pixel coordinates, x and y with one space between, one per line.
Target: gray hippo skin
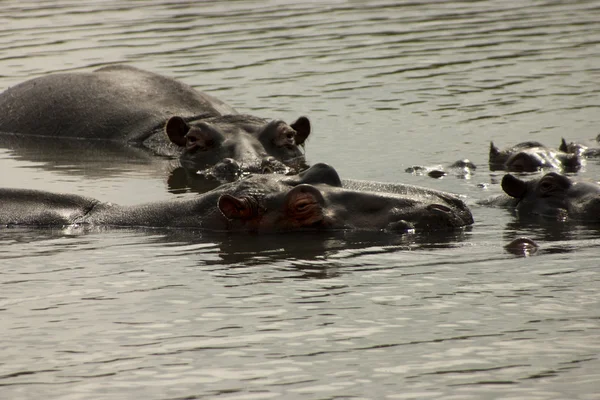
311 200
531 157
167 117
554 196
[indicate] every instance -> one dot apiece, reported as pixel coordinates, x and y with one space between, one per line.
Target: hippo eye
546 186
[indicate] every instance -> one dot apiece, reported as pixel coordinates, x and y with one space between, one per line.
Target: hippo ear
563 146
176 129
304 205
513 186
302 128
236 208
494 151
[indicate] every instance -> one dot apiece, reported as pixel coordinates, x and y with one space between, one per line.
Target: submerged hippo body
553 195
167 117
312 200
531 157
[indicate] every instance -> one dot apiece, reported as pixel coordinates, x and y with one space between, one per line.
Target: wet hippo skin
311 200
155 112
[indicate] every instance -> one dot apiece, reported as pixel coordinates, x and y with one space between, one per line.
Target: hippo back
111 103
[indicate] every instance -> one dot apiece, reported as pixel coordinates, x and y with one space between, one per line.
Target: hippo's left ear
176 128
513 186
236 208
302 128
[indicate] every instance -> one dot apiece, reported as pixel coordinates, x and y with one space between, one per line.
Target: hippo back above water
115 102
167 117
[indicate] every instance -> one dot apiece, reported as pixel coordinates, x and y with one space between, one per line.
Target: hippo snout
270 165
227 170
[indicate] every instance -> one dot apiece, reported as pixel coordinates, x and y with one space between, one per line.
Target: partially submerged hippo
553 195
579 149
462 169
167 117
312 200
530 157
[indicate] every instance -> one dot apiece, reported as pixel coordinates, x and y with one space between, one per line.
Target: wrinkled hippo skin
554 196
311 200
531 157
167 117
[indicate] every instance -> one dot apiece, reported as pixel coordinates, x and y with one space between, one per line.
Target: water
160 314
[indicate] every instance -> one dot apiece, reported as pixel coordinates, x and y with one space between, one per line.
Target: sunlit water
154 314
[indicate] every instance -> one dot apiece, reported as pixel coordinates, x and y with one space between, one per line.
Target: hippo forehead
257 186
235 123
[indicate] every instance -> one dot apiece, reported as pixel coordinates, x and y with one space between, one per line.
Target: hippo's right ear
176 129
304 206
302 128
513 186
563 146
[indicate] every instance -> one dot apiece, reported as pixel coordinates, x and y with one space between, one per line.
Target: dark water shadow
553 236
314 254
93 159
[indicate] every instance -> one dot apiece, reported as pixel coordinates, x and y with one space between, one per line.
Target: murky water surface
114 314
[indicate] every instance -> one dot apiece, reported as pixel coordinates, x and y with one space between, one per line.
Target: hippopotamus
168 118
522 247
553 196
462 169
579 149
312 200
531 157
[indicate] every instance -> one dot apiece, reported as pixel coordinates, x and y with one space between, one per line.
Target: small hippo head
238 144
572 147
555 196
531 157
314 200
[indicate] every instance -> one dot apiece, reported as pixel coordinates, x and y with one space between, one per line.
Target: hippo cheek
589 210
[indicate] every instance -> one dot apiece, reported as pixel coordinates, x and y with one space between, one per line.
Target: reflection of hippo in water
552 195
531 157
312 200
126 104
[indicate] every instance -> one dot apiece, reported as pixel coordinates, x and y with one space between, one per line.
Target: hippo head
314 200
230 146
572 147
555 196
531 157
